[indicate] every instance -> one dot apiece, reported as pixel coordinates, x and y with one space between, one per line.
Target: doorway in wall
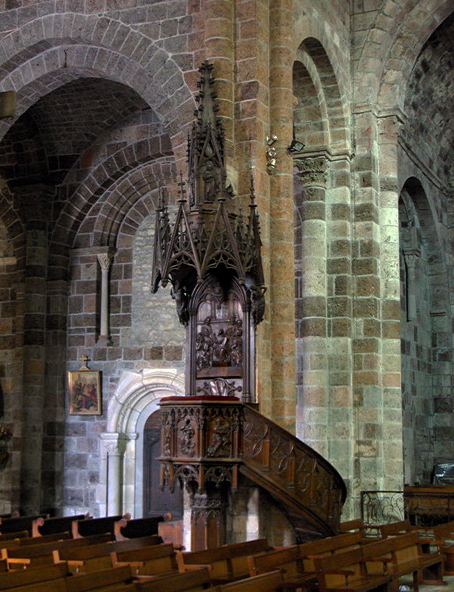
155 501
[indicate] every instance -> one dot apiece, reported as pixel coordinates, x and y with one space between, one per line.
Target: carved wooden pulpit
210 255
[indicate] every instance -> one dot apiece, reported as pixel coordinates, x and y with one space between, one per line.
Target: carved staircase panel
308 487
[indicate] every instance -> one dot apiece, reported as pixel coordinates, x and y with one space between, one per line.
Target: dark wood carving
428 505
309 487
208 442
210 255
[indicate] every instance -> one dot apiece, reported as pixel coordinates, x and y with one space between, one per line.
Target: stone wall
105 97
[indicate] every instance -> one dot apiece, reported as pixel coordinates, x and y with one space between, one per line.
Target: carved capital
312 171
114 444
411 257
105 261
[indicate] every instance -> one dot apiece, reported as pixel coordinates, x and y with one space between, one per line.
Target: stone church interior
226 254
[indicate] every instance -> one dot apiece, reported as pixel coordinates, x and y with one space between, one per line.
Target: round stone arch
136 397
404 27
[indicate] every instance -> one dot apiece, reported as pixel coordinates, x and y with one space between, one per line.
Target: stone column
311 302
114 445
281 406
105 261
411 257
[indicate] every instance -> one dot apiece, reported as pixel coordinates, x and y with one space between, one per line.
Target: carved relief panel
219 343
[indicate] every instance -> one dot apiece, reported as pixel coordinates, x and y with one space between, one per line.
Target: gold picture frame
84 387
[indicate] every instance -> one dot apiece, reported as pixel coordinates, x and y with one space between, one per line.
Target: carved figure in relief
220 445
221 348
187 439
235 332
204 346
208 171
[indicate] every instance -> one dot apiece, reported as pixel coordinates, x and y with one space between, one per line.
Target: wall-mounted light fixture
295 146
271 154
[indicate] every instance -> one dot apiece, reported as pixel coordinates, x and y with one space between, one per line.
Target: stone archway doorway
157 502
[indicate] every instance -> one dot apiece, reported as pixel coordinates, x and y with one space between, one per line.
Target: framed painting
84 387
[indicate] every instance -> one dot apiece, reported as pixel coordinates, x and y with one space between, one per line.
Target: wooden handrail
307 485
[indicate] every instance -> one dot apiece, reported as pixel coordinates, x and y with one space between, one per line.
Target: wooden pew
93 526
41 540
268 561
152 560
288 560
189 581
132 529
357 525
395 528
238 554
115 579
97 557
347 572
216 560
13 579
42 554
57 585
268 582
21 534
443 535
54 525
226 563
402 555
19 523
329 546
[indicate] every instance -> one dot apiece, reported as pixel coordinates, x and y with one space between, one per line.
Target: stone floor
406 585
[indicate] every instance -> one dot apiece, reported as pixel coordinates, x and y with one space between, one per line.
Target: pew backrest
92 526
268 582
217 561
53 525
288 559
19 523
395 528
189 581
140 527
12 579
151 560
238 554
105 579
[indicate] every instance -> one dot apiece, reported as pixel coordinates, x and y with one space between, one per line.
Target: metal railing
382 507
422 506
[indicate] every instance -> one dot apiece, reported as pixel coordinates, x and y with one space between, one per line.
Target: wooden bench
238 554
115 579
54 525
329 546
216 560
132 529
226 563
347 572
41 540
13 579
287 560
189 581
395 528
21 534
42 554
443 535
8 525
402 555
56 585
97 557
152 560
357 525
93 526
268 582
